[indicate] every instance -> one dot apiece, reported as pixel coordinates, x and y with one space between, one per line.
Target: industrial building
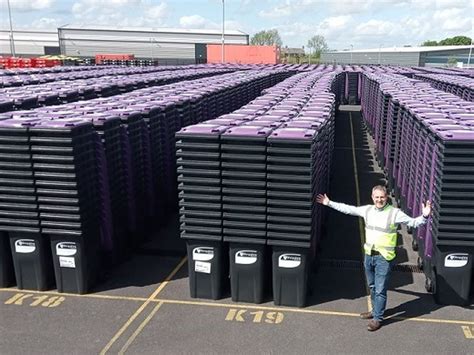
405 56
167 45
29 43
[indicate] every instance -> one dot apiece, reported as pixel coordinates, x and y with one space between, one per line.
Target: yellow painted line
308 311
139 329
142 307
91 295
257 307
467 332
361 227
249 306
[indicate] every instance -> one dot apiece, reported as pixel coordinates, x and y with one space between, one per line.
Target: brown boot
366 315
373 325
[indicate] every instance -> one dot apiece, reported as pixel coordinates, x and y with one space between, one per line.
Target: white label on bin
66 249
25 246
246 257
67 261
456 260
202 266
289 261
203 253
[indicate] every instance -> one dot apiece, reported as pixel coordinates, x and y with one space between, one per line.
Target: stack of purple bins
244 198
433 146
257 193
67 179
199 178
19 214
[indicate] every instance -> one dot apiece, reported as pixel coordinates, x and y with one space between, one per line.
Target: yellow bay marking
232 305
91 295
467 332
143 306
361 227
140 328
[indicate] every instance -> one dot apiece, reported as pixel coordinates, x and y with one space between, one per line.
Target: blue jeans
377 272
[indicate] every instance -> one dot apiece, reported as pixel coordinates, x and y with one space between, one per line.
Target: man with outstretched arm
381 220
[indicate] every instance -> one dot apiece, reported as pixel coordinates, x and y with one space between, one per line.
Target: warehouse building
29 43
167 45
405 56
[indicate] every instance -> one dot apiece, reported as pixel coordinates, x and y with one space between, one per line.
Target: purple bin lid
203 128
467 135
447 127
438 121
249 131
293 133
68 122
224 122
25 122
262 123
303 124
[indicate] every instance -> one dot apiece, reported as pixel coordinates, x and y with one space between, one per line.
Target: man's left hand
426 209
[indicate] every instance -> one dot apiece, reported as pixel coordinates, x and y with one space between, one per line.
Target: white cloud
453 20
281 10
45 23
31 5
118 13
193 21
375 28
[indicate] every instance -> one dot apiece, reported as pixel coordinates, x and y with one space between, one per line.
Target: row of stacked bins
352 86
51 197
57 92
247 182
429 144
78 181
457 85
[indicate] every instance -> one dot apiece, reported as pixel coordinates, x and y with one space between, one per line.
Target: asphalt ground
143 306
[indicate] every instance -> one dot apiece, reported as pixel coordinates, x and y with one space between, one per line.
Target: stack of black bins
291 187
243 165
65 167
135 157
199 179
19 216
451 223
109 130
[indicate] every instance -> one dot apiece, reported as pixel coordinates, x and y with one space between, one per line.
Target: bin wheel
409 230
419 262
429 285
414 245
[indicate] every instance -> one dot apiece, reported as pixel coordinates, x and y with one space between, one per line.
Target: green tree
452 61
450 41
429 43
266 38
317 45
455 41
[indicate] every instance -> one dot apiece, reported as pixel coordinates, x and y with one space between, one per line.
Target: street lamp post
469 57
380 48
352 48
223 29
12 41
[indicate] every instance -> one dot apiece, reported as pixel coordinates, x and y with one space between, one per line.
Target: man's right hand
323 199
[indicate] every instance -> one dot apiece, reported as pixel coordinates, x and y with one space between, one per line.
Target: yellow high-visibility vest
381 231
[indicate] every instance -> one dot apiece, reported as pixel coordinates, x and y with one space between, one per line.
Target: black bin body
290 266
208 269
32 261
75 263
453 275
7 275
248 271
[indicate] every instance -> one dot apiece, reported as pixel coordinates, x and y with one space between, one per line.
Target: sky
344 24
